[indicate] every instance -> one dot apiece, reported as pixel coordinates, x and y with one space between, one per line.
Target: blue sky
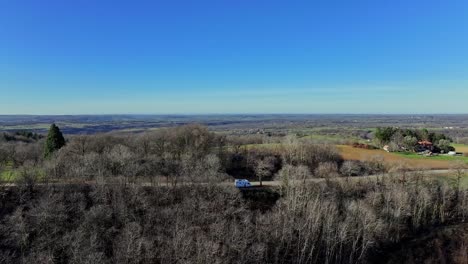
104 57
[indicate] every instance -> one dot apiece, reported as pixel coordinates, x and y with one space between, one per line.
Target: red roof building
425 143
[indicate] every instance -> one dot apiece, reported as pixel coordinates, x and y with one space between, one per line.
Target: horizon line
226 114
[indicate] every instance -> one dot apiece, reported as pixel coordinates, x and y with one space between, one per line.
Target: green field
331 138
413 155
25 127
9 174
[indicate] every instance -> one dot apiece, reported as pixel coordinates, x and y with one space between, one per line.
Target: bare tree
459 170
79 145
327 170
264 168
290 173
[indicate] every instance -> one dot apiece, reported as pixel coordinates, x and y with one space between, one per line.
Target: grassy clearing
8 175
11 175
337 139
413 155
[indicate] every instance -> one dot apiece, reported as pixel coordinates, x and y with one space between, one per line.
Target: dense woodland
166 196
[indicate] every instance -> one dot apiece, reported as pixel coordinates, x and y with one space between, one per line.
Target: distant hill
241 123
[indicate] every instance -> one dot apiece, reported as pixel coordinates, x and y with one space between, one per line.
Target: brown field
350 153
461 148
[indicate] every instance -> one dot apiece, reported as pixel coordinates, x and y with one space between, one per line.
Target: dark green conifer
54 141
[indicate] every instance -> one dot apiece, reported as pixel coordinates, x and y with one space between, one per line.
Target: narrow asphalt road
424 173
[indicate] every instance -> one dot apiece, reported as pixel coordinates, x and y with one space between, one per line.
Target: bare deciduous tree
264 168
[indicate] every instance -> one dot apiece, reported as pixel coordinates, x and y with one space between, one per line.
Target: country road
376 176
256 184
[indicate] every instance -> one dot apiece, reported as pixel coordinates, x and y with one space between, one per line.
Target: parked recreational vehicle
242 183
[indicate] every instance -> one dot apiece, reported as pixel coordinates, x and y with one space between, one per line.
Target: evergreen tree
54 142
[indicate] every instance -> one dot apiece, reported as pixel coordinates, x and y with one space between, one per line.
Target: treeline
20 147
407 139
23 136
183 154
176 155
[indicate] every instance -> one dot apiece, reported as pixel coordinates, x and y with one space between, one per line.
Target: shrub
327 170
352 168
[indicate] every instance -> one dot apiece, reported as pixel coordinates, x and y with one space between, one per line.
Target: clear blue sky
104 57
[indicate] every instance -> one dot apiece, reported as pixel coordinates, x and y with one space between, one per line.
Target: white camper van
242 183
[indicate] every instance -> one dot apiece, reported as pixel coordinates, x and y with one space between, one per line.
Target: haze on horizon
172 57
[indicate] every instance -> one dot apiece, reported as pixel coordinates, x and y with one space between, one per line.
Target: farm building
424 146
